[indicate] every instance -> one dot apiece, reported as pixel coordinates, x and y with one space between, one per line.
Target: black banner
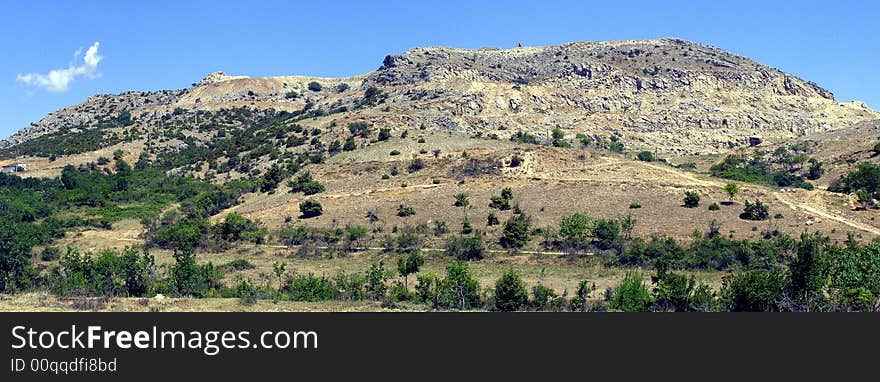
330 346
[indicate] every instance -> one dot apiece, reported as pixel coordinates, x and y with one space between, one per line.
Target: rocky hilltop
670 95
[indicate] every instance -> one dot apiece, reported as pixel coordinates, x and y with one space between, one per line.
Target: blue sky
151 45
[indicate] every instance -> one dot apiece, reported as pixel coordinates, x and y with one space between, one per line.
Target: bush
342 87
384 134
416 165
631 295
491 220
714 207
237 228
510 292
128 274
755 211
190 279
576 229
404 211
394 152
516 232
310 208
466 247
645 156
691 199
459 289
315 86
515 161
753 291
607 234
409 264
634 205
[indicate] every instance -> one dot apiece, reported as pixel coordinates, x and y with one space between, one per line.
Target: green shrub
645 156
755 211
315 86
466 247
516 232
631 295
753 291
510 292
691 199
634 205
310 208
714 207
404 211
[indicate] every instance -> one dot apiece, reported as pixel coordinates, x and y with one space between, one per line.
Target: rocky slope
669 95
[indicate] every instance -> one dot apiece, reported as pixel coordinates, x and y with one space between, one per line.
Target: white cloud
58 80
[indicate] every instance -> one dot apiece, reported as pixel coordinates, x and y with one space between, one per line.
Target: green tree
510 292
691 199
576 229
408 265
516 232
631 295
753 291
466 247
731 189
645 156
310 208
461 200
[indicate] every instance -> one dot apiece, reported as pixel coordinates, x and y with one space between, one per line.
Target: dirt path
818 211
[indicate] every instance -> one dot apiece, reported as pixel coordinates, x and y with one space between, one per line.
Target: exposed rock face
669 95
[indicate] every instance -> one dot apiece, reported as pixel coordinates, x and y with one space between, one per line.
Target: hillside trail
819 211
689 178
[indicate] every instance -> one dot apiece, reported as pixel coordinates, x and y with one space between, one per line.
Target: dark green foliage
416 165
305 184
691 199
309 288
404 211
376 278
516 232
459 289
576 230
384 134
755 211
522 137
349 144
515 161
127 274
510 292
491 219
815 171
866 177
499 203
315 86
753 291
645 156
634 205
184 234
466 247
342 87
756 170
714 207
235 228
191 279
310 208
63 142
631 295
409 264
607 234
271 178
616 147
